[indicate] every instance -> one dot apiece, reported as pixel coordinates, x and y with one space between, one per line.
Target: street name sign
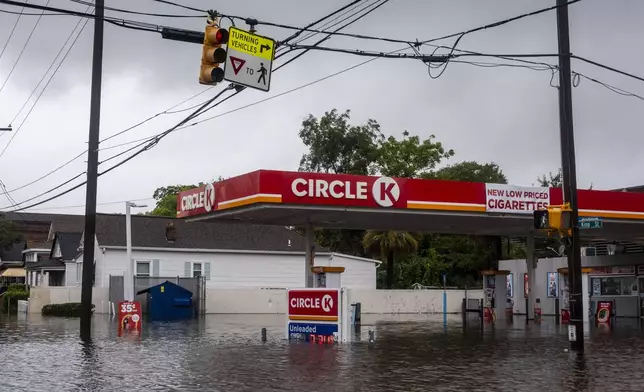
590 222
250 59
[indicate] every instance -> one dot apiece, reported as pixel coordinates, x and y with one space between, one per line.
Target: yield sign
237 63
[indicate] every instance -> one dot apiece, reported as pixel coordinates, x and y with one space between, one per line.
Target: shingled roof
150 231
69 243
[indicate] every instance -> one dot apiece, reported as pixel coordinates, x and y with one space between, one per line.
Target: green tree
335 146
410 157
8 234
166 199
470 171
552 180
388 245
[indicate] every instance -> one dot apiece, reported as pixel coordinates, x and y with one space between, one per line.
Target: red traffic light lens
221 36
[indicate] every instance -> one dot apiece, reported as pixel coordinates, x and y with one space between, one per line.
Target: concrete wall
41 296
259 301
238 270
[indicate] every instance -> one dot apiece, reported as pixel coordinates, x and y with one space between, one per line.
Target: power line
608 68
22 50
13 29
51 77
178 5
500 23
143 13
167 111
71 34
98 204
151 143
335 31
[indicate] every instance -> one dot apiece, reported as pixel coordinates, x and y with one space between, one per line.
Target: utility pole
570 177
92 175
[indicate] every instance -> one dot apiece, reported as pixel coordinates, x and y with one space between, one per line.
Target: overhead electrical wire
51 77
58 168
150 144
178 5
105 203
23 48
13 29
204 14
71 34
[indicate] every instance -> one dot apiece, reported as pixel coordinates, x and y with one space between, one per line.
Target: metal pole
310 255
129 271
92 174
569 172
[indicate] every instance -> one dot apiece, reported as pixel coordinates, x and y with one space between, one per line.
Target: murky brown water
224 353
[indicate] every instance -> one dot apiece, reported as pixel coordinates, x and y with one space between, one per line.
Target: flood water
225 353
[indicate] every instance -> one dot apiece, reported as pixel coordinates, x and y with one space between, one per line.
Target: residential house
51 271
37 231
227 255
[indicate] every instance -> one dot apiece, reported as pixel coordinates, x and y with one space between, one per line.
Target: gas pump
495 300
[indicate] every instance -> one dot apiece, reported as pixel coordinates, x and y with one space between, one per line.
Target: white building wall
544 266
71 274
238 270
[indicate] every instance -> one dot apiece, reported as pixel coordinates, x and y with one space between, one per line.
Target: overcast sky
505 115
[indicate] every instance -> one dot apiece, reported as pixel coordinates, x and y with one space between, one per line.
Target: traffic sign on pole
590 222
250 59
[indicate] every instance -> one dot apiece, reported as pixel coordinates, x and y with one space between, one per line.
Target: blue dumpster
168 301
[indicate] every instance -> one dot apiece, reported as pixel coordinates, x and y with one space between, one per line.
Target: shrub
10 300
17 287
72 309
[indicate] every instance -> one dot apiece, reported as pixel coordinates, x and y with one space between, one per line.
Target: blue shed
168 301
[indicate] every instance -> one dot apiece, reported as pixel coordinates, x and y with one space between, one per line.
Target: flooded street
225 353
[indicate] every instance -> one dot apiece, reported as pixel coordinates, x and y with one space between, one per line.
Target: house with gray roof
227 255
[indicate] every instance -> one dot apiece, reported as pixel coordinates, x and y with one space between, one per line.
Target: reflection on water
225 353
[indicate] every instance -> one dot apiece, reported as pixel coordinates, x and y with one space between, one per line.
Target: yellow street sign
251 44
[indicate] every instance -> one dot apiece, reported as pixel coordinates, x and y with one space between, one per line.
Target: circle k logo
209 194
327 303
385 191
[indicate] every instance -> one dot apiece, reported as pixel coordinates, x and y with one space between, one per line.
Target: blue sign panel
303 329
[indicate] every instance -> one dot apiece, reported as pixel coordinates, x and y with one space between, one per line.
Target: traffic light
556 218
213 54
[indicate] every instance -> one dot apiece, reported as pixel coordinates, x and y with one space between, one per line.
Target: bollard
263 334
557 318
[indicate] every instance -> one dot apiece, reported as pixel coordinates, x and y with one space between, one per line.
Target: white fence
41 296
273 301
261 301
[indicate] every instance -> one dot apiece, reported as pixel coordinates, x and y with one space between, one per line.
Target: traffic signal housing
555 218
213 55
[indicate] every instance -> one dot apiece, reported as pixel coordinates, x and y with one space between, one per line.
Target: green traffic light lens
217 75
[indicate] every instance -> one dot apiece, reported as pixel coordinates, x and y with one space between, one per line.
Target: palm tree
389 244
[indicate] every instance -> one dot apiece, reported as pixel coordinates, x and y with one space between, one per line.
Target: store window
614 286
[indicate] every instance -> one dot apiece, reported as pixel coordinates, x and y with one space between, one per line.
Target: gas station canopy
268 197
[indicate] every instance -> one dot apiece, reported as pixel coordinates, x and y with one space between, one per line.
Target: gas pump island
341 201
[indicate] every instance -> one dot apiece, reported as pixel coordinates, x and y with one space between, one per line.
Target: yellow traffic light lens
219 55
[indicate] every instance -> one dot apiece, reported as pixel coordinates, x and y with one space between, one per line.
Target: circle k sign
209 193
385 191
313 304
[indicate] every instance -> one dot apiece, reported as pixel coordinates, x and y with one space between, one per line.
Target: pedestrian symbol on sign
262 76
